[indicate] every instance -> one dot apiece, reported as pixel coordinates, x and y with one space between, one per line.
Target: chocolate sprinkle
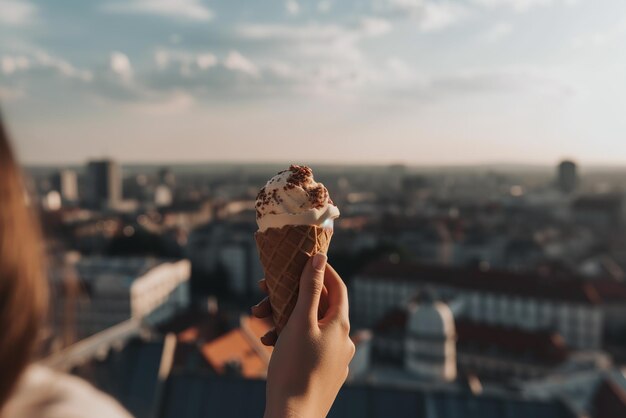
300 176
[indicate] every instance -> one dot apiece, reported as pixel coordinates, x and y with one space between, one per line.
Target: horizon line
433 165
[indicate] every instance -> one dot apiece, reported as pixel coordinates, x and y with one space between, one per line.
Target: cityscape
474 291
473 148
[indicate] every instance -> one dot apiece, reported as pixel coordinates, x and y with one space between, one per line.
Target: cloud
292 7
601 38
435 15
39 61
237 62
318 59
428 14
375 26
9 93
176 102
182 9
35 72
503 81
517 5
206 60
521 5
186 61
314 32
10 64
324 6
398 70
17 12
120 65
498 32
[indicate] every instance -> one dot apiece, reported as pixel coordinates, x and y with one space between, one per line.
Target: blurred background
474 148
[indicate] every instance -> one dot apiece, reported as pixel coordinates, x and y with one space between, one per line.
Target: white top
44 393
285 200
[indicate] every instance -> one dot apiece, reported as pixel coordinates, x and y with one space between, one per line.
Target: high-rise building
66 183
567 178
104 181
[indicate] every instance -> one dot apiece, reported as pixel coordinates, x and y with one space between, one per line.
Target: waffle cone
284 252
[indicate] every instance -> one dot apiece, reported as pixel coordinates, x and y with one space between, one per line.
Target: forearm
281 411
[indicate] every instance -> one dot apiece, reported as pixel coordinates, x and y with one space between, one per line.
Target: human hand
264 310
310 360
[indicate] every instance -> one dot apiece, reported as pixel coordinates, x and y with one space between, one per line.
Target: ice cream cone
284 252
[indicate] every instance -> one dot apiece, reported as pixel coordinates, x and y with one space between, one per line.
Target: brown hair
23 291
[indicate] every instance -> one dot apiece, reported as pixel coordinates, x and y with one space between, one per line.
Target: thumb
311 284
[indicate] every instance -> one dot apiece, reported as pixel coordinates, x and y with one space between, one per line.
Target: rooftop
545 347
241 348
492 281
609 400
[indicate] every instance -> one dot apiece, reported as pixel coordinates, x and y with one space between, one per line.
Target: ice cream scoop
293 197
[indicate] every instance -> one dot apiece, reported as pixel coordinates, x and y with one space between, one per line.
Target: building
430 341
66 183
104 184
240 351
491 353
567 177
135 371
568 306
605 211
92 294
598 392
230 249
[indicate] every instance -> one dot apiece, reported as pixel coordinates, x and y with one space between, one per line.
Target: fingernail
319 261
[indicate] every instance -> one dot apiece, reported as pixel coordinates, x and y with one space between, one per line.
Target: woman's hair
23 290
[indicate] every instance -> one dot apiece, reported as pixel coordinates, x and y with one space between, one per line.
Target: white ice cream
293 197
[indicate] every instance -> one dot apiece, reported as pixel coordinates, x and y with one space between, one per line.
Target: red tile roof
243 346
525 285
543 346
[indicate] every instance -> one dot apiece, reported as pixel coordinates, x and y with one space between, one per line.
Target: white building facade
99 292
579 321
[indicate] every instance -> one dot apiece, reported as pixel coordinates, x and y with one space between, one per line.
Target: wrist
292 407
283 411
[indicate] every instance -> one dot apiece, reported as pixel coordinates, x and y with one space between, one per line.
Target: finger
262 309
269 338
337 295
263 286
311 284
323 303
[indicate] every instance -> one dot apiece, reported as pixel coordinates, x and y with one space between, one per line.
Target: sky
358 81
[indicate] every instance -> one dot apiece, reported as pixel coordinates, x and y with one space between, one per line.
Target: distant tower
66 183
567 177
104 181
430 345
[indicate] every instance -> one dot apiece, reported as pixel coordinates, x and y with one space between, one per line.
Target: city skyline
386 81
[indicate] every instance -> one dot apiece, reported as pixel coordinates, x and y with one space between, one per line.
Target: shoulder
44 393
